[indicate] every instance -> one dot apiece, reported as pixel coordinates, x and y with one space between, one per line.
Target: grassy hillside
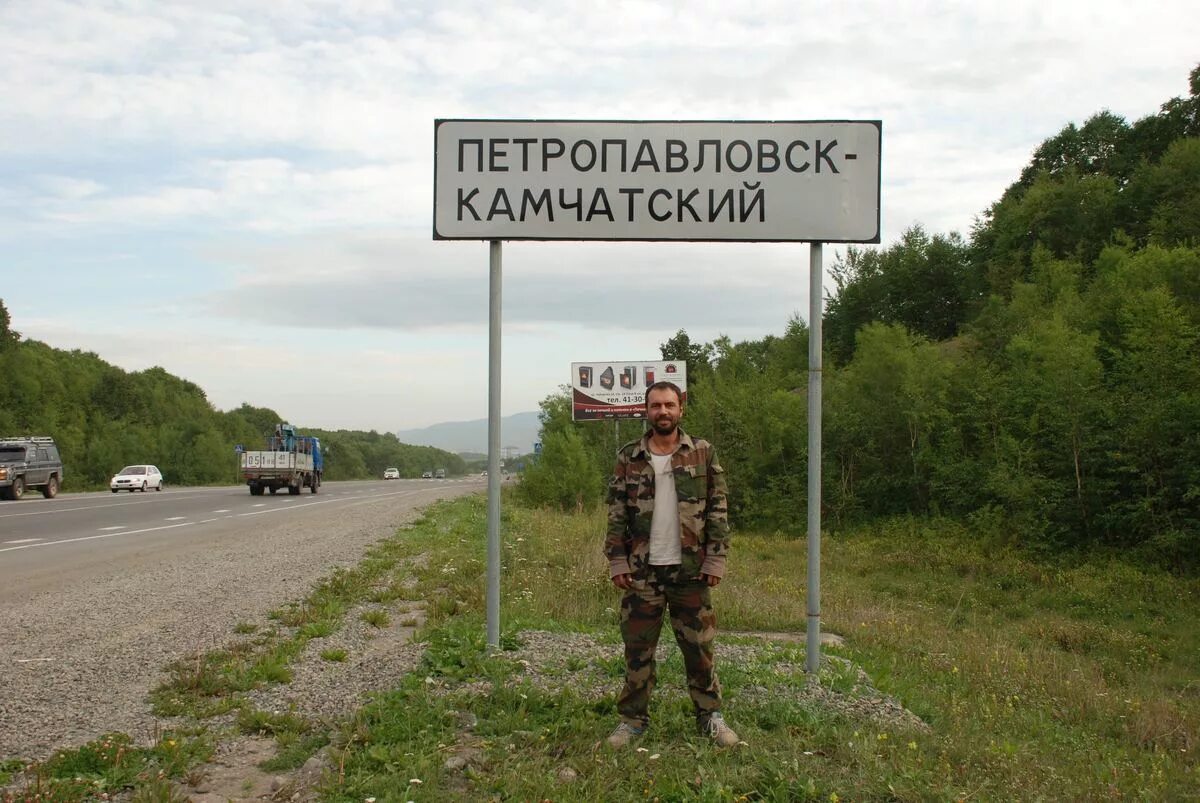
103 418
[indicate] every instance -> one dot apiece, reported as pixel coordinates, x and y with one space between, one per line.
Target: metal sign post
493 527
815 289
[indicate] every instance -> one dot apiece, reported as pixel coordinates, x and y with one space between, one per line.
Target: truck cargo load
290 461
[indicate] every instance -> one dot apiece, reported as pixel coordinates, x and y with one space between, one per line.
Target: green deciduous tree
7 336
886 411
926 284
1172 190
1102 145
564 476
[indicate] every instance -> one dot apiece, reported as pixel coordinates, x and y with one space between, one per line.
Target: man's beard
665 428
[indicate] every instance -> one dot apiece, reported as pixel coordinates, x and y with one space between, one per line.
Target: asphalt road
100 592
46 542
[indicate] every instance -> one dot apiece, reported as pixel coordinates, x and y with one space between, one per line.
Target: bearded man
668 537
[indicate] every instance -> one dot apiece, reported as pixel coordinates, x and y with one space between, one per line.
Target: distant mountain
519 431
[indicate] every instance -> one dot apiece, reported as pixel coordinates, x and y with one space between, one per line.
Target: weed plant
376 618
111 765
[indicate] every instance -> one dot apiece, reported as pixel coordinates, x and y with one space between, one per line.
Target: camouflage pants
695 626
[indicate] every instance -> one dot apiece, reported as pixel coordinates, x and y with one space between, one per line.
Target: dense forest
1039 379
103 418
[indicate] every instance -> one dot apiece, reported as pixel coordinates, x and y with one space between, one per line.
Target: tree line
103 418
1040 379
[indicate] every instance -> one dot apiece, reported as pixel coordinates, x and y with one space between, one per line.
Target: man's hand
623 581
711 579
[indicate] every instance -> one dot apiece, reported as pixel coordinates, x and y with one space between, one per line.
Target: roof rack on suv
33 438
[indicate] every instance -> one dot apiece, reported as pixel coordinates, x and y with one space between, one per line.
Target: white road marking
30 660
325 502
260 504
414 493
206 521
93 537
175 518
223 510
23 541
114 527
165 495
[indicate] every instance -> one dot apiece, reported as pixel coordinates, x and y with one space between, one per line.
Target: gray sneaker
716 729
623 735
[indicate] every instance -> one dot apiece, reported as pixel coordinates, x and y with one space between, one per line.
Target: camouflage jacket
703 511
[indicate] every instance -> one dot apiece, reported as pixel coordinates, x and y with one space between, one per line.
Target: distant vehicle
483 473
290 461
440 474
29 462
391 473
136 478
427 475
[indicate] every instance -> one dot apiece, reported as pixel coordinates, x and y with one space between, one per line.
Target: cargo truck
290 461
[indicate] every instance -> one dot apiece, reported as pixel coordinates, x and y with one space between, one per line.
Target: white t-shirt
665 548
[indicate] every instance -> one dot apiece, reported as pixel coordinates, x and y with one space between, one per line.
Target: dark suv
27 462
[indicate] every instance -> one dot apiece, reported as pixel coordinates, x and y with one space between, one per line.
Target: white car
391 473
137 478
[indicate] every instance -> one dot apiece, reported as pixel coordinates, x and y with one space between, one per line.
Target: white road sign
804 181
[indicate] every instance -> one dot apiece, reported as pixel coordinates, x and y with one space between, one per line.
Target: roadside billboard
745 181
609 390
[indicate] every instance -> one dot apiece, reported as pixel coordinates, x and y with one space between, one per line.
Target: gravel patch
555 661
79 660
376 660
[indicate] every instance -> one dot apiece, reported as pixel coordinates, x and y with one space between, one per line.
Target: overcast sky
241 192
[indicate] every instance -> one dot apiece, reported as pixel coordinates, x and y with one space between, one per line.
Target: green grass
212 683
112 764
293 749
318 629
376 618
1067 680
266 723
1073 680
10 768
336 655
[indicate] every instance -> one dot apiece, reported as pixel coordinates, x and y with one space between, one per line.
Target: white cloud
253 156
265 195
69 189
356 87
408 284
